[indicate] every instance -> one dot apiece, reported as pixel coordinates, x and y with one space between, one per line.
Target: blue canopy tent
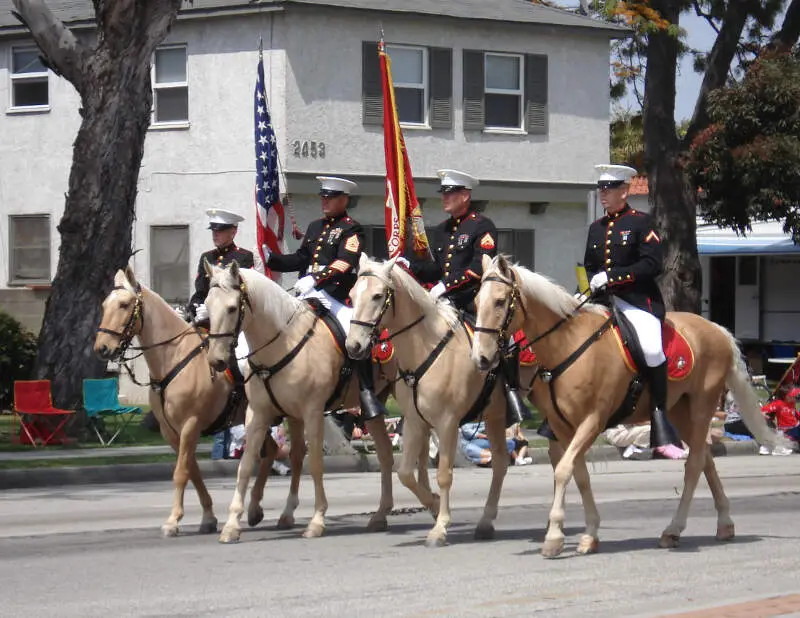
766 238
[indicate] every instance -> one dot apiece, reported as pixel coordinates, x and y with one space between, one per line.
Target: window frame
154 122
514 232
519 93
153 227
13 280
15 78
426 85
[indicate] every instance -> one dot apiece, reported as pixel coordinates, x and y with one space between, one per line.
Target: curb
334 464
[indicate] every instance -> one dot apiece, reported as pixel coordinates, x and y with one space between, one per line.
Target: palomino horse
289 343
585 379
440 383
185 397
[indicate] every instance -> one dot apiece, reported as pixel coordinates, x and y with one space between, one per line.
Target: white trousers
648 330
342 312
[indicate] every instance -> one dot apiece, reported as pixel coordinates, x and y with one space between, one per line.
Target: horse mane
265 295
548 292
430 307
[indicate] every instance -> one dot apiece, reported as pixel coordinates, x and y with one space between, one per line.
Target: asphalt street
96 550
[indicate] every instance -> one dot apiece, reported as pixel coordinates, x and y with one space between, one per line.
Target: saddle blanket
680 357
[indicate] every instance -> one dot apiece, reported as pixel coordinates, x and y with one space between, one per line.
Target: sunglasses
450 189
329 195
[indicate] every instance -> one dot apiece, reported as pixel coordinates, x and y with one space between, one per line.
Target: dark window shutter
473 90
440 74
536 94
524 247
371 89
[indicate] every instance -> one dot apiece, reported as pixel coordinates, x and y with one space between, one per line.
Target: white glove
580 297
438 289
201 313
305 284
267 253
600 280
403 261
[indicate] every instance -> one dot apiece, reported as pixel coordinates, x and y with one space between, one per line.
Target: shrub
17 356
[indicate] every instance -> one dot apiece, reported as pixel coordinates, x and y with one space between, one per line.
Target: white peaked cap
615 173
332 183
219 216
454 178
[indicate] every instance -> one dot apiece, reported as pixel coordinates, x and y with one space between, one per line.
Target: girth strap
160 386
412 378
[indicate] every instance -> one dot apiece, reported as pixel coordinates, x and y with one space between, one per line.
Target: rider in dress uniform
458 246
624 255
327 261
223 225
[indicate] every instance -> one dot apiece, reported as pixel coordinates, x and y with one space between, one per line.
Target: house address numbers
307 148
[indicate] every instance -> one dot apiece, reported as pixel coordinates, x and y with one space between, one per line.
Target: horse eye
499 303
124 305
231 310
377 296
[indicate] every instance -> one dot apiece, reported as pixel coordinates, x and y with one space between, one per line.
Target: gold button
611 224
447 264
608 242
450 247
446 273
608 261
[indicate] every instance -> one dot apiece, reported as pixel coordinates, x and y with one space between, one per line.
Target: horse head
496 315
122 316
226 303
371 297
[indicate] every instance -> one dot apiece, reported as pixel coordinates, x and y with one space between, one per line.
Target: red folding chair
38 419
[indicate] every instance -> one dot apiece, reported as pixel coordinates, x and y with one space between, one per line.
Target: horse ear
208 268
130 276
362 260
389 264
234 269
486 262
504 267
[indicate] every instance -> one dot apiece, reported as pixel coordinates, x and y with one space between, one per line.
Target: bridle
515 299
129 329
388 301
244 302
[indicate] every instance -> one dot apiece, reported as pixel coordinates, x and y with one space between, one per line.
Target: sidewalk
133 473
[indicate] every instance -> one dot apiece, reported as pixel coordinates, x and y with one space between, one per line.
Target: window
170 86
505 91
423 85
170 273
410 78
29 245
375 245
29 81
519 244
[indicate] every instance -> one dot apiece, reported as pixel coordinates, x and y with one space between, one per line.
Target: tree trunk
113 80
674 206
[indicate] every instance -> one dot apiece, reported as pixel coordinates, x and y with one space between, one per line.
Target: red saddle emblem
680 357
383 351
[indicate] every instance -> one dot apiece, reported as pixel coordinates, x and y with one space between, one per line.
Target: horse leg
415 447
383 447
187 443
255 434
423 471
448 437
695 463
297 452
495 431
584 435
255 514
315 435
208 524
589 541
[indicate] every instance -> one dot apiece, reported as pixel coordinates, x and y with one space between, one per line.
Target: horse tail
738 381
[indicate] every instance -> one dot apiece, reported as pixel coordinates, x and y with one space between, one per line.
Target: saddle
339 337
233 411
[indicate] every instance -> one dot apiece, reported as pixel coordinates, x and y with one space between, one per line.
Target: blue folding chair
101 402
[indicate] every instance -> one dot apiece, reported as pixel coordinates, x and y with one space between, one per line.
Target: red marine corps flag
401 198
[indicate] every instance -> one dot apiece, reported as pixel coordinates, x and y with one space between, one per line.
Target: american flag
270 215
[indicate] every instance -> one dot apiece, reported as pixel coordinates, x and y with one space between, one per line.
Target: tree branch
161 16
62 50
707 16
719 63
787 36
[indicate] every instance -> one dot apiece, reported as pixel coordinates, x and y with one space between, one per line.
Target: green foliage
747 163
17 356
627 141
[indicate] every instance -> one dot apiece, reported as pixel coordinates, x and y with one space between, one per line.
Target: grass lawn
92 461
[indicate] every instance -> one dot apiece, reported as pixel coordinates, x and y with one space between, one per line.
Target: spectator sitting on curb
633 441
520 452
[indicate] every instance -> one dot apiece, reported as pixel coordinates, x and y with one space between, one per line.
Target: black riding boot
662 432
371 407
546 432
516 410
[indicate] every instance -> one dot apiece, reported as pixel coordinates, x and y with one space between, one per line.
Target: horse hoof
313 531
588 545
230 535
484 532
435 541
726 533
378 525
551 549
208 527
255 517
669 541
169 531
286 522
